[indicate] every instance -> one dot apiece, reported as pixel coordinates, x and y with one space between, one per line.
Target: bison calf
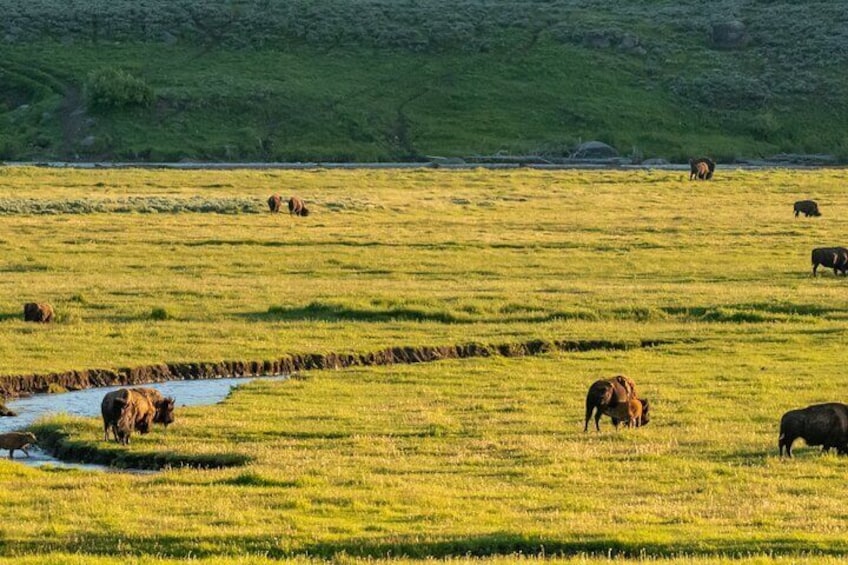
297 207
163 405
38 312
831 257
633 414
807 207
17 440
819 424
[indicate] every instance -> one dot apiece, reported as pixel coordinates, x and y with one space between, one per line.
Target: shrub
110 88
159 314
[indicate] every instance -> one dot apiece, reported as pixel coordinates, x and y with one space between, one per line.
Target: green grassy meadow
469 461
370 80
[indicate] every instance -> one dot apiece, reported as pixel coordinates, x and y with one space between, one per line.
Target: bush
159 314
109 88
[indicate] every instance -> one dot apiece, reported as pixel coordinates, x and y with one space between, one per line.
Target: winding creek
86 403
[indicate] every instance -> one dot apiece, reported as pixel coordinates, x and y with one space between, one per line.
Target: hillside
380 80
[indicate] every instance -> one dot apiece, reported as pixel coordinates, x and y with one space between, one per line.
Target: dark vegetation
338 80
56 439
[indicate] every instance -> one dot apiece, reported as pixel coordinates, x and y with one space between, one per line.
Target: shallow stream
86 403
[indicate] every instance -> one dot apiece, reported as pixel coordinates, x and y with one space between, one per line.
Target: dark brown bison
125 411
807 207
17 440
702 168
606 395
38 312
831 257
819 424
297 207
275 203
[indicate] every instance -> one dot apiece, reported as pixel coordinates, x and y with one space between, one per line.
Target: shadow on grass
9 316
336 312
56 440
328 312
497 544
519 313
751 312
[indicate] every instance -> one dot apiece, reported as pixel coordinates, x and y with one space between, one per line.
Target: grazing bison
608 394
831 257
819 424
38 312
17 440
275 203
807 207
297 207
164 405
125 411
702 168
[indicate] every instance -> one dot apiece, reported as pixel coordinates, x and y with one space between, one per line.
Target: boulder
594 150
729 35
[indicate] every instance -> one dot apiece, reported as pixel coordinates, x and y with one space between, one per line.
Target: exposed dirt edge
57 442
21 385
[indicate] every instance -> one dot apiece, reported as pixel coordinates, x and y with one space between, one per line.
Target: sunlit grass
478 457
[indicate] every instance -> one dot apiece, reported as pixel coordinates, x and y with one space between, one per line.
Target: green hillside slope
380 80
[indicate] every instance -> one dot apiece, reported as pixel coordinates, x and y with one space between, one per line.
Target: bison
607 394
38 312
807 207
819 424
831 257
275 203
633 413
702 168
297 207
125 411
17 440
164 405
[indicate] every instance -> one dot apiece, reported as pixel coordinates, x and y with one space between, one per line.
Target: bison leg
589 407
787 443
815 266
25 451
11 451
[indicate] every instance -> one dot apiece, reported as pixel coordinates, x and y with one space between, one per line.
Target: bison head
645 412
165 411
